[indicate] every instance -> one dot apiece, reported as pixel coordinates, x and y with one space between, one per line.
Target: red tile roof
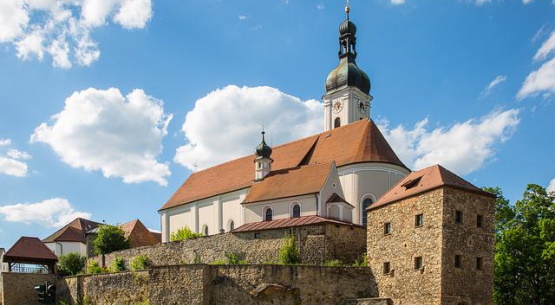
30 250
353 143
425 180
336 198
289 182
73 231
138 235
287 223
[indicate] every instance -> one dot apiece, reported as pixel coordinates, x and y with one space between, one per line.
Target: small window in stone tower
418 264
479 263
387 228
479 220
419 220
337 123
386 268
458 261
458 216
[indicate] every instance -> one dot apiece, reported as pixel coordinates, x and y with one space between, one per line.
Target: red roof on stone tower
353 143
425 180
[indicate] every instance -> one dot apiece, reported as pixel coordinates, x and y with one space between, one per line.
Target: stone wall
208 284
317 244
467 284
403 284
19 288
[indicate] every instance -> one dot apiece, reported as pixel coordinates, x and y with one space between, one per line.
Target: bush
94 268
289 253
183 234
71 263
118 265
231 259
334 263
363 263
140 262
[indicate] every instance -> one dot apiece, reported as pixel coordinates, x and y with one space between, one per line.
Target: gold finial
347 9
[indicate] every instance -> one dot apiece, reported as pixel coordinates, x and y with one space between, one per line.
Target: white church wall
332 185
61 248
281 208
231 211
372 179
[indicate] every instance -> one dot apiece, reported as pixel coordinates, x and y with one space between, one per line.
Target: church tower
347 97
262 162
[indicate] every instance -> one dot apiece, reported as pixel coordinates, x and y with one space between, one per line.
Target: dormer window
411 183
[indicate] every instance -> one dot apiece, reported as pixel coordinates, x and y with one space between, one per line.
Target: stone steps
368 301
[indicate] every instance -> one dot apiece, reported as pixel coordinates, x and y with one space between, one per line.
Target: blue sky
107 106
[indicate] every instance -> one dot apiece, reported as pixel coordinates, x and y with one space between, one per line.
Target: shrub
289 253
334 263
71 263
183 234
140 262
94 268
118 265
363 263
231 259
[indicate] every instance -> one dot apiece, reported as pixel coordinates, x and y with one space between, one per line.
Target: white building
335 174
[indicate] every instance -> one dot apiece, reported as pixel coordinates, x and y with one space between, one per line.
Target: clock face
337 106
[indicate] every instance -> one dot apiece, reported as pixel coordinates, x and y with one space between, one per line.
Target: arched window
231 225
268 215
205 230
296 211
337 123
365 204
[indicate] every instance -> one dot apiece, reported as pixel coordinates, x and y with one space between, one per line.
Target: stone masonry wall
208 284
19 288
317 244
467 284
404 284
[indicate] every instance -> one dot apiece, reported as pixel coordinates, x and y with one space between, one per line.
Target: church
336 174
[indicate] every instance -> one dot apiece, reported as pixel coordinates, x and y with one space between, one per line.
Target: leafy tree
71 263
525 250
109 239
183 234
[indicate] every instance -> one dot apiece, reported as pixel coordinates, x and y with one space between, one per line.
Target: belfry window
268 215
365 204
337 123
296 211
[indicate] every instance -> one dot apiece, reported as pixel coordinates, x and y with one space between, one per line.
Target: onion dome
347 73
263 150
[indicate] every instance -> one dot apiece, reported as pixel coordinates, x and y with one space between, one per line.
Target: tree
109 239
289 253
71 263
524 250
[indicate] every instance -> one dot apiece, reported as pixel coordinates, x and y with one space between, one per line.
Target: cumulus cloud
55 212
494 83
62 29
551 186
542 80
226 123
103 130
12 160
397 2
463 147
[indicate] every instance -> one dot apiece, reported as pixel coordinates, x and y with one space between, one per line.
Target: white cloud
397 2
463 148
103 130
526 1
494 83
551 186
547 47
11 163
480 2
62 28
226 123
541 80
242 17
55 212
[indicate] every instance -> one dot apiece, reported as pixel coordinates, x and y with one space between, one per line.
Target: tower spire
347 9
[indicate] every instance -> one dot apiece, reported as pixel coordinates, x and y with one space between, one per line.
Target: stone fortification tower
430 240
